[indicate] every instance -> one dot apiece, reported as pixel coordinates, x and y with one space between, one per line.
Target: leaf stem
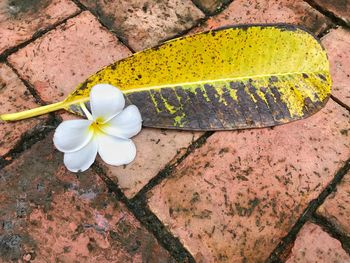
33 112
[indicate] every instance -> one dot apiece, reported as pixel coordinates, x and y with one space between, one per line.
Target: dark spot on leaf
273 79
322 77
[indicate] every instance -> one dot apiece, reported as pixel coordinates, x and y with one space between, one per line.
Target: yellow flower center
97 126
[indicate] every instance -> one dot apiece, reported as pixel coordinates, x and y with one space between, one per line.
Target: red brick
145 23
14 97
337 44
19 20
51 215
315 245
155 149
239 194
274 11
340 8
336 208
57 62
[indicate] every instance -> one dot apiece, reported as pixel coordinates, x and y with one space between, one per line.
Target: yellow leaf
232 78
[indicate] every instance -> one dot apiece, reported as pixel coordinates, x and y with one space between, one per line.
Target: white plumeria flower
107 131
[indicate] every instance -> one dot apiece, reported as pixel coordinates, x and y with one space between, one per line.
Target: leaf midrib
218 80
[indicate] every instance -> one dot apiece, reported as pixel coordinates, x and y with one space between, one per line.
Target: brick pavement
267 195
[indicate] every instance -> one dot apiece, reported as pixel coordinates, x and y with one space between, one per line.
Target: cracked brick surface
15 97
274 11
315 245
48 214
143 23
20 20
337 44
234 199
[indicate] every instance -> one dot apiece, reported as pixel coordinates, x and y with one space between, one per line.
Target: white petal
116 151
72 135
126 124
81 160
106 101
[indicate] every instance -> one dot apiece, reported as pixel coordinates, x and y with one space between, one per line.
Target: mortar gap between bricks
207 12
28 139
199 23
35 36
168 169
28 85
203 9
342 104
185 32
80 5
307 214
33 136
138 205
277 260
327 30
327 13
332 230
118 35
147 219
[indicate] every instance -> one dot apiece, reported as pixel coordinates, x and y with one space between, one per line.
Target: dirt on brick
17 7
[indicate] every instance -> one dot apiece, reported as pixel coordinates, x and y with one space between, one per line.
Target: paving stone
155 149
315 245
337 44
15 97
233 199
48 214
340 8
20 20
211 6
274 11
144 23
66 56
336 208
